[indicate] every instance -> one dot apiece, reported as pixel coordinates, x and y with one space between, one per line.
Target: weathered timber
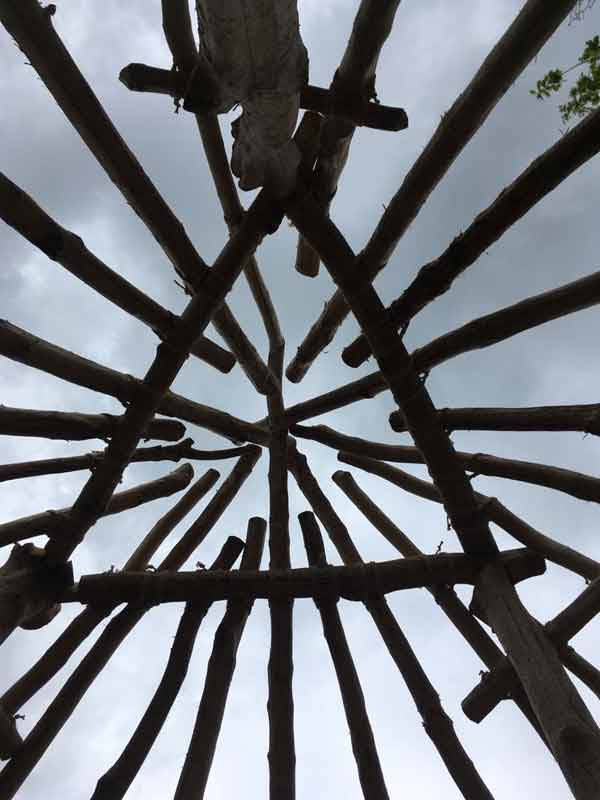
496 685
351 108
29 589
115 782
459 615
443 737
57 655
354 81
54 523
58 712
73 426
18 345
23 214
353 582
584 418
435 278
482 332
52 466
493 509
361 734
520 43
576 484
570 730
171 356
32 29
407 388
219 674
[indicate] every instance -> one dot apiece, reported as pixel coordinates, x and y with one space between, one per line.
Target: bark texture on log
530 30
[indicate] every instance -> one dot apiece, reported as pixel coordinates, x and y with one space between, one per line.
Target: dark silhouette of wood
584 487
353 582
52 466
542 176
584 418
498 683
58 712
354 80
73 426
18 345
57 655
445 596
361 734
54 523
117 779
21 212
33 32
219 674
518 46
482 332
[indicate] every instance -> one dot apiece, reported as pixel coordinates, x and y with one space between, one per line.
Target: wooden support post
58 712
530 30
219 674
57 655
570 729
361 734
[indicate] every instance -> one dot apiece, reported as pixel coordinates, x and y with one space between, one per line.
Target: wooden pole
584 418
576 484
521 42
21 212
32 29
361 734
53 466
58 712
219 674
54 523
77 427
435 278
23 347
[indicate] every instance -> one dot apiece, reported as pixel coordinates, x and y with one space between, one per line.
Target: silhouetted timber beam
76 426
499 683
350 107
361 734
353 80
492 508
520 43
219 674
584 418
57 655
32 29
115 782
539 179
55 523
576 484
464 512
355 582
21 212
437 723
175 452
30 587
60 709
459 615
481 332
24 347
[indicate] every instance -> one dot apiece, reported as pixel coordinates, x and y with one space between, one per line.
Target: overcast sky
433 52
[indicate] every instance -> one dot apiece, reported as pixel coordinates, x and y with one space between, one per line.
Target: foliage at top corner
584 95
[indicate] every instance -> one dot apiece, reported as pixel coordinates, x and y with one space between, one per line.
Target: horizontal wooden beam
355 582
175 452
584 418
